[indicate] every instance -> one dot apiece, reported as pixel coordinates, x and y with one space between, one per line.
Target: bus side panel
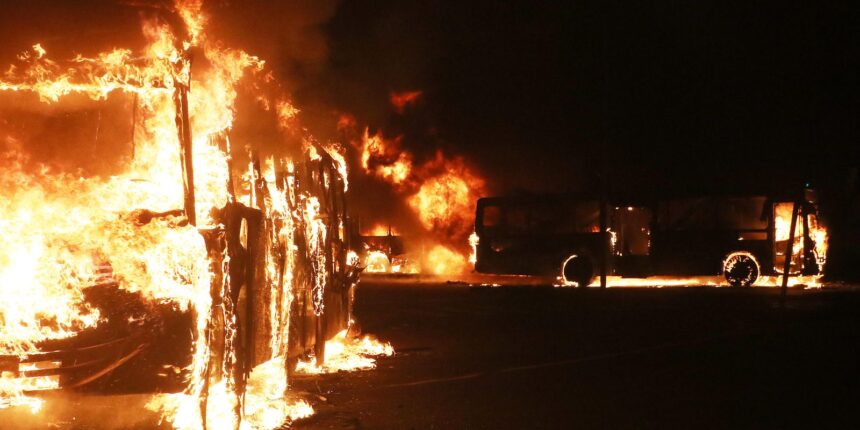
535 255
691 253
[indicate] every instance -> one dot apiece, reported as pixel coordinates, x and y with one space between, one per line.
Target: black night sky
546 96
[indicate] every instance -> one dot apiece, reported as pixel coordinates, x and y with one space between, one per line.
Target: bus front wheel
741 269
577 270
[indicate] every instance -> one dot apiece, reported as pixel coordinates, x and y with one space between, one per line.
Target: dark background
546 94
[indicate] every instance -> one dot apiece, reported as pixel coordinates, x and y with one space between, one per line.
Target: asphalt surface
541 357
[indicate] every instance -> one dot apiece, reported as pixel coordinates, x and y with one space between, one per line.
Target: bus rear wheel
577 270
741 269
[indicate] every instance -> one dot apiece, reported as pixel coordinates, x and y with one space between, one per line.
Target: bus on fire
741 237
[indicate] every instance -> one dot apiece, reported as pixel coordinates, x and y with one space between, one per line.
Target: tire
741 269
578 271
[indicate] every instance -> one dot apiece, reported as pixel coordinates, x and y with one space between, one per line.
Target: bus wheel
577 270
741 269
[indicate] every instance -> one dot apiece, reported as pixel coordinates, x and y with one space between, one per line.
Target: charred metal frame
239 289
552 250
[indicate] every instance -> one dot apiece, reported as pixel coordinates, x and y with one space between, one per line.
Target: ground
538 357
543 357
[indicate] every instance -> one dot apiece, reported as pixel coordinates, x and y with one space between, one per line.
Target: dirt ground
481 356
540 357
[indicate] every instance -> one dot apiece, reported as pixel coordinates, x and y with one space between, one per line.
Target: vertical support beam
254 283
604 241
789 251
258 183
319 339
322 318
186 156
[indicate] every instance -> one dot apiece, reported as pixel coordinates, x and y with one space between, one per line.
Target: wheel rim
741 269
577 271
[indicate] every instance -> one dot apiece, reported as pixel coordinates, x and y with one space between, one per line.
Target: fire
346 354
381 230
442 193
473 243
820 238
151 225
404 265
401 100
267 405
446 200
782 230
376 262
385 159
441 260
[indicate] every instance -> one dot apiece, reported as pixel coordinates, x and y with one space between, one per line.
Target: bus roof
642 199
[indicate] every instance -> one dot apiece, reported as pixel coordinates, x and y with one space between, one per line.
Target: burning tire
741 269
577 270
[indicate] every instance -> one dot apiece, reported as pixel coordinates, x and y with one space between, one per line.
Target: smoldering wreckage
255 262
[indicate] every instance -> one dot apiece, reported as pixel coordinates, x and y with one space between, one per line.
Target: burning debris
346 353
259 261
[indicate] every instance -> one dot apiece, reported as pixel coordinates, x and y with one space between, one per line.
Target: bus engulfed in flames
256 257
440 193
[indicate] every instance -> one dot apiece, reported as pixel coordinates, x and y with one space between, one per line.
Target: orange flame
446 199
442 192
345 353
385 159
403 99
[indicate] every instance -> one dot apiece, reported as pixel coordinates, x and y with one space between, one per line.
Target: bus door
630 240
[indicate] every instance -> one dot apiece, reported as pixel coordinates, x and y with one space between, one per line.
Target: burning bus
741 237
181 260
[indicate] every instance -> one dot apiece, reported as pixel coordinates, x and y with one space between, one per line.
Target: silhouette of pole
789 251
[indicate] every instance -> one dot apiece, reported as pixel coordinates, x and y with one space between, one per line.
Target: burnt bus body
733 235
138 338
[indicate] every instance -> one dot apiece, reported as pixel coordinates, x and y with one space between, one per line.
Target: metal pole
789 251
604 241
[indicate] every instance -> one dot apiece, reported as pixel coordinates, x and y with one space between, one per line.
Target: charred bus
738 236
